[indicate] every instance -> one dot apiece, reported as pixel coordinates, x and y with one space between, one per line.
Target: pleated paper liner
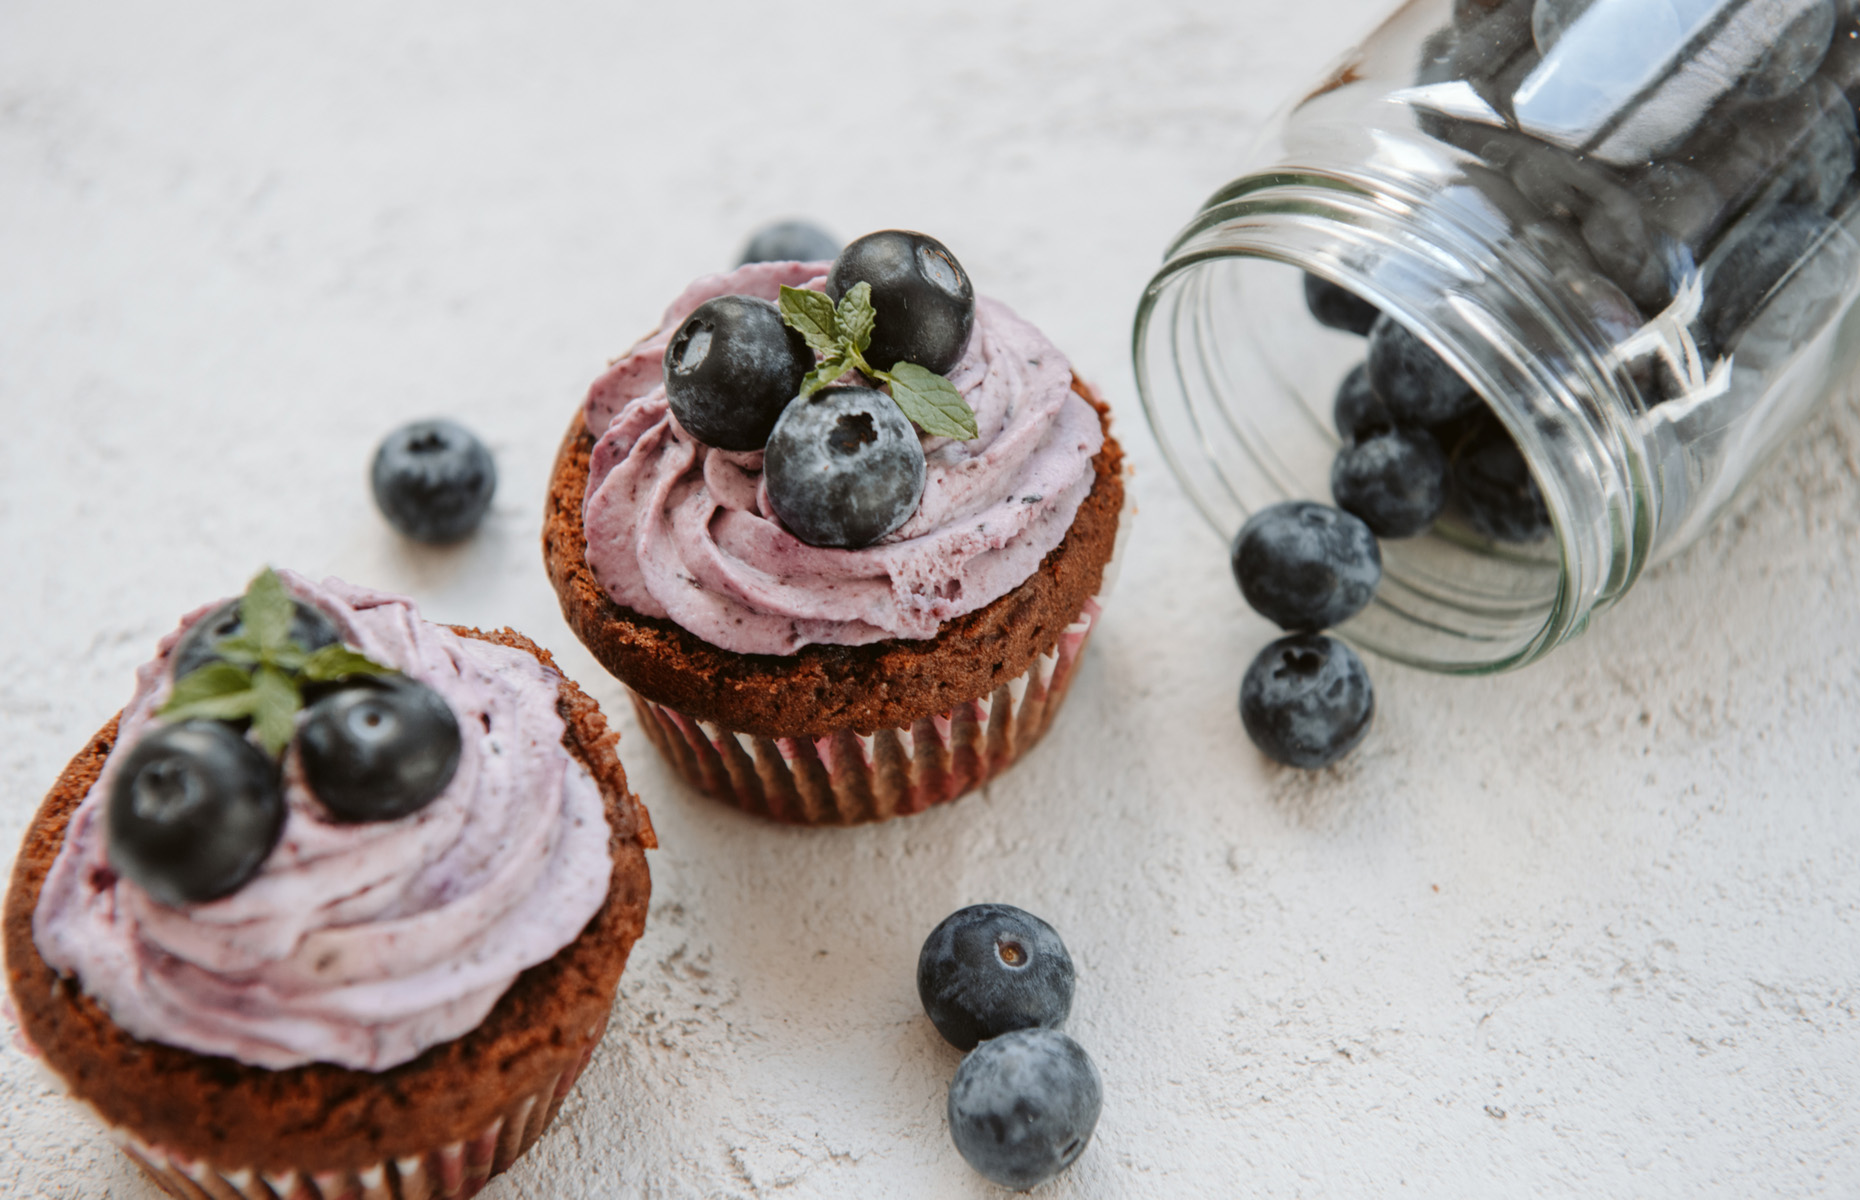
847 777
449 1172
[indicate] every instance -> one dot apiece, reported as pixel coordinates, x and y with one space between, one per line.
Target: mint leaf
855 316
811 313
824 374
339 662
931 402
241 647
266 611
275 708
218 691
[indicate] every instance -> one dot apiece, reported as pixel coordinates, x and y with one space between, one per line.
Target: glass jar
1627 224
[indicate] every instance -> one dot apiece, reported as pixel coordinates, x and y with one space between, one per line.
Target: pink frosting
677 529
355 944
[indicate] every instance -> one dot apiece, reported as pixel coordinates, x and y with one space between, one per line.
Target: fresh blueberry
922 299
731 369
1357 409
844 467
433 480
194 809
311 629
379 749
1338 307
1023 1106
991 968
1795 52
1799 149
1631 249
1417 386
790 241
1761 252
1395 480
1494 490
1306 700
1306 566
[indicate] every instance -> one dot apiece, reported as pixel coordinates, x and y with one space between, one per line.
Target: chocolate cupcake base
846 777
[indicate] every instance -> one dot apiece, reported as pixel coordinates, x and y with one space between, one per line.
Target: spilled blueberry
924 302
1417 386
1338 307
193 811
789 241
991 968
1306 566
1357 408
311 629
731 369
1395 481
1306 700
433 480
844 467
379 749
1023 1106
1494 489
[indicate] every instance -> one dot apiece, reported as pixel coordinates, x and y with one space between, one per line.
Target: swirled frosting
678 529
354 944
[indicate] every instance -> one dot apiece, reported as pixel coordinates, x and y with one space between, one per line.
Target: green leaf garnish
829 370
932 402
218 691
855 316
262 670
266 611
811 313
340 662
841 333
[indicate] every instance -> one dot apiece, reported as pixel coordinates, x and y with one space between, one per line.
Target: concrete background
1585 929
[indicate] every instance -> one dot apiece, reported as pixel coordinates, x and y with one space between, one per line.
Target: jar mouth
1237 381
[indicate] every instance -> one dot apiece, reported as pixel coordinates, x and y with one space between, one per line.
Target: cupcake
357 948
822 617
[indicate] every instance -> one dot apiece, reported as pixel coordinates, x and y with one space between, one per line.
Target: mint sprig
841 333
262 670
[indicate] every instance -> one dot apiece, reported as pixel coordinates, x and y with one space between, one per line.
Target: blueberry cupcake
336 906
841 528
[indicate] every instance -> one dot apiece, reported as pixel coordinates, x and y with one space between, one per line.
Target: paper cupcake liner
846 777
449 1172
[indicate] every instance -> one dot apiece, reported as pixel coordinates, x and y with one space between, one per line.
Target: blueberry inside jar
1532 308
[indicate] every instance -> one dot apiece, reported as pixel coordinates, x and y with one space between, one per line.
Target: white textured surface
1588 929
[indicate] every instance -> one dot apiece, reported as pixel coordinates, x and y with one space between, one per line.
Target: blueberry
1417 386
844 467
1760 253
1395 480
379 749
988 969
921 297
1794 53
1630 250
193 811
1306 566
1338 307
1494 489
310 629
1357 408
1799 149
1023 1106
789 241
433 480
730 370
1306 700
